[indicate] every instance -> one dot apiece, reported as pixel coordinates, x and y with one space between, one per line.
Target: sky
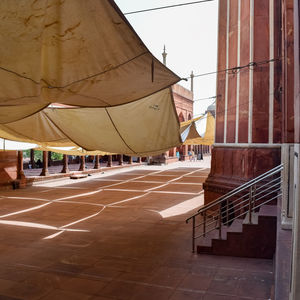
190 36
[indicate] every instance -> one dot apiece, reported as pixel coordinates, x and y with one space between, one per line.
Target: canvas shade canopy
6 145
199 131
77 151
146 127
86 55
74 52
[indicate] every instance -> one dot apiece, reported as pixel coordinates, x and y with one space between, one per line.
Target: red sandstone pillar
82 164
20 171
120 159
139 160
109 161
65 168
184 152
49 159
20 174
97 164
130 160
45 171
32 158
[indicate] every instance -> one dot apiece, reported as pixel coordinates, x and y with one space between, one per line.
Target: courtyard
119 234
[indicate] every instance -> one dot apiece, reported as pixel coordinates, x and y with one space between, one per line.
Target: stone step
205 243
257 239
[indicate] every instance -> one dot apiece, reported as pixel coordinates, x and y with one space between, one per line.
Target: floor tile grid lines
118 180
141 181
85 194
78 195
59 228
62 187
27 198
64 227
170 181
188 183
112 205
157 192
125 181
75 222
109 279
45 226
26 210
83 203
178 193
93 215
126 200
36 225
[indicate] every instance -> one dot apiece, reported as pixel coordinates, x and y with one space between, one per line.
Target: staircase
242 222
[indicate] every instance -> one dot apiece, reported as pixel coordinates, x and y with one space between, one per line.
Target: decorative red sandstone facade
255 110
183 99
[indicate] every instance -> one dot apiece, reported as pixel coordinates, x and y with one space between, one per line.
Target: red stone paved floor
86 240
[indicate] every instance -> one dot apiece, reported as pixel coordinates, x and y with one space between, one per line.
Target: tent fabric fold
73 52
76 151
86 55
144 127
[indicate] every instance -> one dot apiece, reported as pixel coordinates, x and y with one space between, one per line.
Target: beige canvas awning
82 53
86 55
144 127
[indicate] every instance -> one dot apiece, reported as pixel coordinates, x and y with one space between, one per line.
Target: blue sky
190 35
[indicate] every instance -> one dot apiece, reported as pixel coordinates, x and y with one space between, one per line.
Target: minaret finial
164 54
192 81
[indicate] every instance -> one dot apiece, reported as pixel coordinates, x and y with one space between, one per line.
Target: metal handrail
238 189
243 200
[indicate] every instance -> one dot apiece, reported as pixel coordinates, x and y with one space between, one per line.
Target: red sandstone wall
233 163
232 167
261 73
220 107
288 70
244 74
8 166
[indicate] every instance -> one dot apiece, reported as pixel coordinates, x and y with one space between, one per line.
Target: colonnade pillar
45 170
97 163
49 159
109 161
32 162
82 164
65 168
20 170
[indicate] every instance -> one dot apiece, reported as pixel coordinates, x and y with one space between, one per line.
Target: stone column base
233 166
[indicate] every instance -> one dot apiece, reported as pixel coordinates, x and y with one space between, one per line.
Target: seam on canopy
119 132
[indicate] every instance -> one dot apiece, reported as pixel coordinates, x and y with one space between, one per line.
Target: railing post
250 204
253 196
220 223
227 212
193 243
204 223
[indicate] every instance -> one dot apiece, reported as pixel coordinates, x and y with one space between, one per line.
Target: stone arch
181 117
